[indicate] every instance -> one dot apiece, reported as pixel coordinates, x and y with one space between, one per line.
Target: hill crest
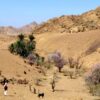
72 23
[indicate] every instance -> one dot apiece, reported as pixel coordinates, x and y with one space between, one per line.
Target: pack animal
40 94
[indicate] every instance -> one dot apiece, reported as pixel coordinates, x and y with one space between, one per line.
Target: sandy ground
66 88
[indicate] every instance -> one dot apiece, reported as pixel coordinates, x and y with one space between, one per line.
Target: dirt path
71 89
75 89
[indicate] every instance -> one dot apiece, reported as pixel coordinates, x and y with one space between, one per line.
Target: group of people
5 87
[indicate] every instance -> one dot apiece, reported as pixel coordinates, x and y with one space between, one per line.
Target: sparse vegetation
22 81
93 80
75 65
81 23
31 59
38 81
42 75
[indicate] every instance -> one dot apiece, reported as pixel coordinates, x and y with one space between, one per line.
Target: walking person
5 88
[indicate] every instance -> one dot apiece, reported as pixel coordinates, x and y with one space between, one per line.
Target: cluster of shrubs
75 66
22 81
34 58
92 79
26 48
75 63
13 81
23 47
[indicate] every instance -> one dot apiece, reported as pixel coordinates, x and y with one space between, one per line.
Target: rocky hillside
72 23
8 30
12 30
28 28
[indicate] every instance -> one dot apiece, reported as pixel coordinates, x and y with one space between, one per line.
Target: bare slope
13 65
85 44
70 44
66 89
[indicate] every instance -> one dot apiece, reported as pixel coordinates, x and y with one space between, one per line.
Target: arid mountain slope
72 23
12 66
27 29
85 44
65 23
12 30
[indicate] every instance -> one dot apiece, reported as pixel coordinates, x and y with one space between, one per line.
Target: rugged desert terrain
73 36
75 44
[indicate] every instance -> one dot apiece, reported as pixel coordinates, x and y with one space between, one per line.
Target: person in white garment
5 88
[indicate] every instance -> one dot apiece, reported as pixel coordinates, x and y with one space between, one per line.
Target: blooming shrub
92 79
57 59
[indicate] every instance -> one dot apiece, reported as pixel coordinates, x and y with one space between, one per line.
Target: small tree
30 47
93 76
58 60
20 48
71 62
75 65
31 44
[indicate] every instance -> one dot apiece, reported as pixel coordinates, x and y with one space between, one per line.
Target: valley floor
66 89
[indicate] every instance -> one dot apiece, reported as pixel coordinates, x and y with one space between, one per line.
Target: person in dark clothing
5 88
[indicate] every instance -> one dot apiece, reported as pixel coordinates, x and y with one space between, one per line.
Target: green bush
11 48
30 46
22 47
